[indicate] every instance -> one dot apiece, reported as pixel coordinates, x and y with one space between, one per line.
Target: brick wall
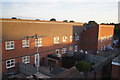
115 72
89 39
48 48
105 31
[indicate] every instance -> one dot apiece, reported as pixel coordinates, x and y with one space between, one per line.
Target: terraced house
20 44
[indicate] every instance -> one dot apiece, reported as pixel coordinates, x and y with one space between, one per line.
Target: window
57 51
75 48
101 48
71 38
104 47
64 38
56 40
81 51
111 37
26 59
9 45
104 37
108 37
86 52
71 48
63 50
77 37
25 43
10 63
38 42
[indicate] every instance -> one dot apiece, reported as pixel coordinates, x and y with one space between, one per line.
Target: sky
101 11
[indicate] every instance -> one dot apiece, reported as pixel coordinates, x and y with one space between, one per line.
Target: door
37 60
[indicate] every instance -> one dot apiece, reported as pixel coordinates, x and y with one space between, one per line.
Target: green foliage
71 21
117 29
53 19
54 54
92 23
14 18
37 19
95 53
118 46
65 21
83 66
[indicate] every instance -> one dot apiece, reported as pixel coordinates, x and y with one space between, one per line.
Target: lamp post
36 37
37 50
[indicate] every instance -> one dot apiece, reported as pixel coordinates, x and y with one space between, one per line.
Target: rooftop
116 61
38 21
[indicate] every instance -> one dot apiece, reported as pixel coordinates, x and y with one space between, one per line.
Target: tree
83 66
53 19
37 19
65 20
92 23
71 21
14 18
19 18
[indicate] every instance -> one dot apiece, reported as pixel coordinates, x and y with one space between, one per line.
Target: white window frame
25 43
71 48
56 40
26 59
71 38
57 50
81 51
75 48
86 52
64 50
104 37
38 43
111 37
104 47
108 37
64 38
77 37
12 61
9 43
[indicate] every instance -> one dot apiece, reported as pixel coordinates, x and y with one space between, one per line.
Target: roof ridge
39 21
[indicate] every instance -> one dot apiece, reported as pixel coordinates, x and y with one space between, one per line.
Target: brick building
58 38
116 68
97 37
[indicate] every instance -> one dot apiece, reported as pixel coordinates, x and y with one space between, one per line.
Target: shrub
95 53
65 20
71 21
83 66
53 19
118 46
14 18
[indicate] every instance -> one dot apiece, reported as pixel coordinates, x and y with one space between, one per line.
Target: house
55 37
97 37
116 68
20 44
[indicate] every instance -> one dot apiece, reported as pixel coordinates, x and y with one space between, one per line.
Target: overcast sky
101 11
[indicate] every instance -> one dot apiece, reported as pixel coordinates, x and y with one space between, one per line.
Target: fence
27 69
